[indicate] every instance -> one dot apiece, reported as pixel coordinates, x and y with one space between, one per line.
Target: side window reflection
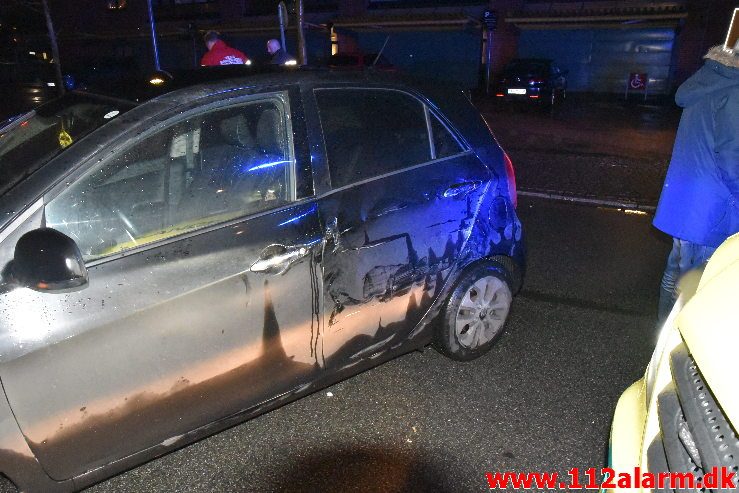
204 170
445 144
369 132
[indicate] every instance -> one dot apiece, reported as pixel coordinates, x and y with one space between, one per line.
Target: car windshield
527 68
32 140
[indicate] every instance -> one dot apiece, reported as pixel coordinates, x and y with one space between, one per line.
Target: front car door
404 194
196 236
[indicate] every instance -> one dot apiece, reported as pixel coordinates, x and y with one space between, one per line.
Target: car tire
475 312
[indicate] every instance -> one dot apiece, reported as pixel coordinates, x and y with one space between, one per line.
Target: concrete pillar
505 38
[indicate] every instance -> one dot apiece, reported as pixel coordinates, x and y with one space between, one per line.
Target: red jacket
222 54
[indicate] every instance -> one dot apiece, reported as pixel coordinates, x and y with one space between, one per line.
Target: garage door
600 60
451 56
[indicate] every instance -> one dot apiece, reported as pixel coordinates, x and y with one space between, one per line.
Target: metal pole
282 15
54 49
153 36
488 60
302 51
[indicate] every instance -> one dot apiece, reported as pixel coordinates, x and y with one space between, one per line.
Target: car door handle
461 188
277 259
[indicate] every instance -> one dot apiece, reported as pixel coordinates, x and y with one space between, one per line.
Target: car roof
205 81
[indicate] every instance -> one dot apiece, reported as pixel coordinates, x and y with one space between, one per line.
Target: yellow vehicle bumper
627 430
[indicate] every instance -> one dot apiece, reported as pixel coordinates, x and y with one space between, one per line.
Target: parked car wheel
476 312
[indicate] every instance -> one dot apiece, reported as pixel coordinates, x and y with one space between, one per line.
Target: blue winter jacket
700 197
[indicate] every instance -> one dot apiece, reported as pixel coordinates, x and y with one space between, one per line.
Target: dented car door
405 193
195 235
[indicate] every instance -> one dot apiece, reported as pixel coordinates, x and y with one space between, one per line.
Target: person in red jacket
219 53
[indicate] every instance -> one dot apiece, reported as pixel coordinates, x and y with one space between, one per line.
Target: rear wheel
476 312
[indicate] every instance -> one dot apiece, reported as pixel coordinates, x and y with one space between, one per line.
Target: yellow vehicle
682 417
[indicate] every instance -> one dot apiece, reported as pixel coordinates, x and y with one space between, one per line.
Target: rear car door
198 238
404 193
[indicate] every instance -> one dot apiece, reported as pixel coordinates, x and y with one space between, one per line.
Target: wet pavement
589 148
580 332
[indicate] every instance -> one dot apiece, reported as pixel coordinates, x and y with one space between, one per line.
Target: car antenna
381 50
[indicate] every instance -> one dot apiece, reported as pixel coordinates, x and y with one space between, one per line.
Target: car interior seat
225 149
269 167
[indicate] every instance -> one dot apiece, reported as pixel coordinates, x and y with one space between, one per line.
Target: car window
526 68
206 169
445 144
30 142
369 132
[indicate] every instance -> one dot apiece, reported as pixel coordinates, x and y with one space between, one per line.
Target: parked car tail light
511 176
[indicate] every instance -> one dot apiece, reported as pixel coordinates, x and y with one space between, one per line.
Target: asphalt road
580 332
590 147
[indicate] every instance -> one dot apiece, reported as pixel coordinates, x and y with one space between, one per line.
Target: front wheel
475 313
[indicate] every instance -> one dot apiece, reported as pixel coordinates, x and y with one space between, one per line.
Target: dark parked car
536 80
360 61
175 266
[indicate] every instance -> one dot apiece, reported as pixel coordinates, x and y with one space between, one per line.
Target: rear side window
445 144
370 132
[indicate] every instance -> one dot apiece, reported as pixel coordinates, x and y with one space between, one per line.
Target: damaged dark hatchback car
175 266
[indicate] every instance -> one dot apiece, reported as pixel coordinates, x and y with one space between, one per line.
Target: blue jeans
683 257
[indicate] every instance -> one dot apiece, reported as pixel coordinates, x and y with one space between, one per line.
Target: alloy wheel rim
482 312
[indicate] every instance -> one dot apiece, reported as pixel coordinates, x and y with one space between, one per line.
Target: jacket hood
730 58
720 71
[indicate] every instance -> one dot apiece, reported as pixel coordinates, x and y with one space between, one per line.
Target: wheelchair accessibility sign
637 82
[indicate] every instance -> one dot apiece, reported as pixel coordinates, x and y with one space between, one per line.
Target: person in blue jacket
699 204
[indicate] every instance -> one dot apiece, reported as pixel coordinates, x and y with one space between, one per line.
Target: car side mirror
47 260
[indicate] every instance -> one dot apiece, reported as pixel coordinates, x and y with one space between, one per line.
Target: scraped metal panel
600 60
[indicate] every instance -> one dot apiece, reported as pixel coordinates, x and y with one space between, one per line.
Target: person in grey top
279 55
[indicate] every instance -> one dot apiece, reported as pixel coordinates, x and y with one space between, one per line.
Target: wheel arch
502 263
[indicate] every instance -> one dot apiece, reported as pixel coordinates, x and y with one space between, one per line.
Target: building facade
599 42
